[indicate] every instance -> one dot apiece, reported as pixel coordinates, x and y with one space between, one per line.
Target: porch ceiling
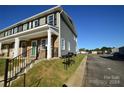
27 35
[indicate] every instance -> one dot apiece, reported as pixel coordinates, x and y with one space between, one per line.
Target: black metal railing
68 60
16 66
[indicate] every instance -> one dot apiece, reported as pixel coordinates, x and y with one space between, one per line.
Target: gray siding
67 34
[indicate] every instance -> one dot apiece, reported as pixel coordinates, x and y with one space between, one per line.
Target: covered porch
43 42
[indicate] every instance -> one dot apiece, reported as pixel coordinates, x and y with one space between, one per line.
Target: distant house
115 50
94 52
83 52
119 50
99 52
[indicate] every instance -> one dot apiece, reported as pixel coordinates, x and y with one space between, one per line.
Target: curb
78 78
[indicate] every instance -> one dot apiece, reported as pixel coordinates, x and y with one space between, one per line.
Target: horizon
105 22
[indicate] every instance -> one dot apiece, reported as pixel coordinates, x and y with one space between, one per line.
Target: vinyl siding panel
67 34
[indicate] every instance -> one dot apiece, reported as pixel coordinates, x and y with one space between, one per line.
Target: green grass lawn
48 73
2 66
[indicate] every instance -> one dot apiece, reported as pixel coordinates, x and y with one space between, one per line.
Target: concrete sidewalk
77 79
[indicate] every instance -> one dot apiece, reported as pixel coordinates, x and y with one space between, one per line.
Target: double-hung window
15 30
6 33
9 32
50 19
20 28
1 34
42 21
25 27
35 23
62 43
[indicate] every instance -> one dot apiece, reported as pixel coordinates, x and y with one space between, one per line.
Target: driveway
104 72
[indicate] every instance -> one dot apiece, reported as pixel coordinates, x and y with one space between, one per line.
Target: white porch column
59 25
49 51
0 48
16 49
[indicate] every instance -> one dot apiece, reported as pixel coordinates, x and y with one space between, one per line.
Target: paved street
104 72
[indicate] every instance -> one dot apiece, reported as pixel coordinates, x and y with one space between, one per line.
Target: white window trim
26 24
12 31
34 23
15 30
48 18
6 33
69 47
62 47
42 21
30 23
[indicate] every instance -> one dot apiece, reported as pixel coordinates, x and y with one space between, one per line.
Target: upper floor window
2 34
42 21
9 32
50 19
12 31
6 33
63 43
35 23
20 28
15 30
25 27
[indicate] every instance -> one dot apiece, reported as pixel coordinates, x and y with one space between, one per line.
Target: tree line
103 49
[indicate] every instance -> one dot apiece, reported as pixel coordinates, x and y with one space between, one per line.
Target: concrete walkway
77 79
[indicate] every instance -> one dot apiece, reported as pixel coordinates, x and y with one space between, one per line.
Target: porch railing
17 65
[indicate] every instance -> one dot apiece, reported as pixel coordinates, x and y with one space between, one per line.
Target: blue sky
96 26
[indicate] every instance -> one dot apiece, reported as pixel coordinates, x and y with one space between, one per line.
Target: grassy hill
48 73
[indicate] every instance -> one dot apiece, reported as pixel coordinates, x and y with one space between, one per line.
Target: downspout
59 18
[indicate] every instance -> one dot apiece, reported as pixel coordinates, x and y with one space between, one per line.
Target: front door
34 48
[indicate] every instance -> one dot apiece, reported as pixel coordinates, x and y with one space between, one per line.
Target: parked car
118 55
